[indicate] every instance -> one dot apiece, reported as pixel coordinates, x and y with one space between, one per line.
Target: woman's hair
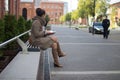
40 12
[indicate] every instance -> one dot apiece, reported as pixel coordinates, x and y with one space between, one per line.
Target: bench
31 47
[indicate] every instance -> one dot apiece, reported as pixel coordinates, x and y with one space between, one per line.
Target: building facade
2 8
27 10
9 7
17 8
13 7
117 6
114 14
54 10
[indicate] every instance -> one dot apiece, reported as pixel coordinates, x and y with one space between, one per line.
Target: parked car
97 28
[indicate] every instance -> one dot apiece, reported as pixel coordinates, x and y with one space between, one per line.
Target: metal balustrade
19 41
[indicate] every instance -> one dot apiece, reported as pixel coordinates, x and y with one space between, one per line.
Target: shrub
28 25
10 28
1 31
21 25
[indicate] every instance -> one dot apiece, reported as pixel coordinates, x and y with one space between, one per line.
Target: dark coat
106 23
38 37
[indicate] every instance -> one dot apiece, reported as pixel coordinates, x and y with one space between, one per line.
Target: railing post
23 46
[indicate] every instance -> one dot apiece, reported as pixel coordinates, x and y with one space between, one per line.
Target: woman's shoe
57 65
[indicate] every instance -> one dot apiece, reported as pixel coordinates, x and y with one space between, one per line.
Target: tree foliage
68 17
101 7
86 7
81 8
47 18
75 15
62 19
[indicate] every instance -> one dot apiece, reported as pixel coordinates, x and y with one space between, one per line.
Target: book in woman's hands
49 32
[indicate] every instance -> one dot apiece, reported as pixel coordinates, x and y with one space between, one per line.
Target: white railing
20 42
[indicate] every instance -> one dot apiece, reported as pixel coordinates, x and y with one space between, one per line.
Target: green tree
68 17
86 7
47 18
75 15
62 18
82 12
101 7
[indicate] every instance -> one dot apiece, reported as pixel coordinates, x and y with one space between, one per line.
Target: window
24 13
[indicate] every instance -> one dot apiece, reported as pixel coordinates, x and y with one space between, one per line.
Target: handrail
10 40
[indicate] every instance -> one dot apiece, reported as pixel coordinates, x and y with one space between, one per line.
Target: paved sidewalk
115 35
87 57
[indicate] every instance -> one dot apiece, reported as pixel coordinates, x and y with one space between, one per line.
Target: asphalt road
89 57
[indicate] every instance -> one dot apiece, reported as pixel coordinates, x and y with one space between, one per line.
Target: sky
114 1
72 4
27 0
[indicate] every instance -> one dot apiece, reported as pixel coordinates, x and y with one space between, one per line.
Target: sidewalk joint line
84 72
90 43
